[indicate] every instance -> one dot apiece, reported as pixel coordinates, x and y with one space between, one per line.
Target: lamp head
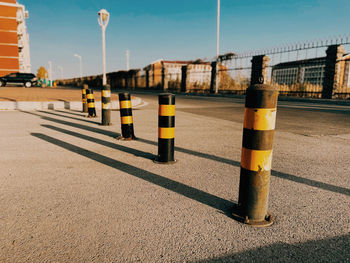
103 18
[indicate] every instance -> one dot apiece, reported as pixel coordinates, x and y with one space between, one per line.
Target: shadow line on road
200 196
72 113
293 178
69 117
112 145
76 125
335 249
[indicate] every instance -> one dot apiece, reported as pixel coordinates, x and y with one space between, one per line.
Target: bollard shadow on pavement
335 249
71 113
220 204
290 177
69 117
112 145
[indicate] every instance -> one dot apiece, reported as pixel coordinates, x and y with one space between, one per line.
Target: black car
27 79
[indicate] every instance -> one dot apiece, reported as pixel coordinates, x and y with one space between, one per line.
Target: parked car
27 79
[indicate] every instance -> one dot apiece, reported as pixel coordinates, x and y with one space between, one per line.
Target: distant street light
61 69
217 46
81 64
127 60
103 19
50 73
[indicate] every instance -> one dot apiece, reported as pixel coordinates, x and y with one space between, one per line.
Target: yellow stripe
91 105
126 120
90 96
259 119
166 110
125 104
106 106
84 91
255 160
166 133
106 93
84 101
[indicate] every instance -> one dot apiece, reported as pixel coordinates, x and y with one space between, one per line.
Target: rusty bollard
258 133
91 103
106 105
126 119
84 100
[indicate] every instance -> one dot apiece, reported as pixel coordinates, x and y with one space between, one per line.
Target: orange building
14 40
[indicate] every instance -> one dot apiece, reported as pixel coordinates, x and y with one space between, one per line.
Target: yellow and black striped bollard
106 105
91 103
85 105
258 133
127 124
166 129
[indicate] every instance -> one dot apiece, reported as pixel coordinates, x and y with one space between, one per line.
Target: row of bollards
256 158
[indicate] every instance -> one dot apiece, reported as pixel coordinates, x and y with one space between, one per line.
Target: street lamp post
217 47
61 69
103 19
80 64
50 74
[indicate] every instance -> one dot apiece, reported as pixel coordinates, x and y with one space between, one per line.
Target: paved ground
70 192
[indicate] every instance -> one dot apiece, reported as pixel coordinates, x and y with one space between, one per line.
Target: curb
51 105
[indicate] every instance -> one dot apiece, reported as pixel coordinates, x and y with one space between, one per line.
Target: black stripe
89 91
261 96
166 121
128 130
106 99
166 150
258 140
125 112
124 96
90 100
166 99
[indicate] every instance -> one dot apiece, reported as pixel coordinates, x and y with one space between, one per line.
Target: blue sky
171 29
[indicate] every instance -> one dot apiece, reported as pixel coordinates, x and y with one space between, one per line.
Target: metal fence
302 69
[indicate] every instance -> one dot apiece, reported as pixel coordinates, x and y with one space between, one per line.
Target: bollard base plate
121 138
158 162
268 221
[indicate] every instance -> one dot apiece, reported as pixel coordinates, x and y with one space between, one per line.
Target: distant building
311 71
198 72
14 39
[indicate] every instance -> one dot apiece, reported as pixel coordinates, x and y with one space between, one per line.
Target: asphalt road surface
71 192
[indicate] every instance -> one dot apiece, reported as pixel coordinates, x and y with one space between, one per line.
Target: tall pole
104 80
103 18
217 46
80 64
61 69
50 73
127 60
81 67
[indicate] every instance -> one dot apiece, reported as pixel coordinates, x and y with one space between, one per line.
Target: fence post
147 79
256 158
332 71
164 78
136 76
213 77
259 69
184 78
